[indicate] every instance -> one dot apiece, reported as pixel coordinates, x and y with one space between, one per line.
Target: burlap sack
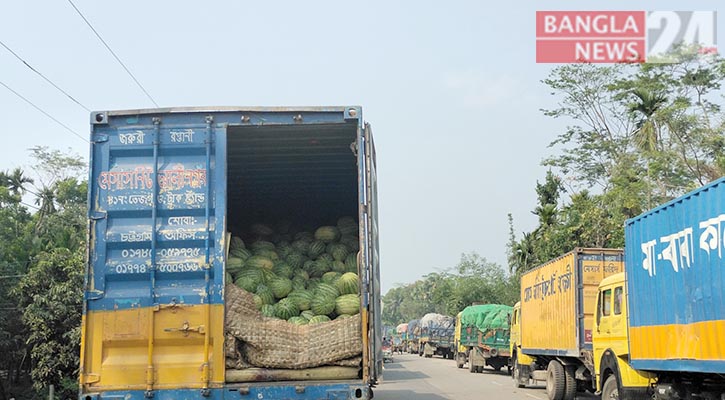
273 343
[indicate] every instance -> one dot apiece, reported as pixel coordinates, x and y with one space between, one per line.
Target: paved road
412 377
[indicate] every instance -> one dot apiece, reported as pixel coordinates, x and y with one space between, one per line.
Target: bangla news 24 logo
623 36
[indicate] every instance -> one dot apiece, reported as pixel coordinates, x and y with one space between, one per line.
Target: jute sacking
273 343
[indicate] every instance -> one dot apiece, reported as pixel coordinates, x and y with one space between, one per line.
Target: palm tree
645 108
17 180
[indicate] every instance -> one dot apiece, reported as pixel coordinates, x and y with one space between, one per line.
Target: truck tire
570 382
610 389
555 381
519 381
460 361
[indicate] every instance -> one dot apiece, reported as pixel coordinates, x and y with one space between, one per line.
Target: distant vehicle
436 337
387 350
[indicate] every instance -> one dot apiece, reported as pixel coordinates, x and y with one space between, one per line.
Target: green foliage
51 295
639 135
472 280
41 262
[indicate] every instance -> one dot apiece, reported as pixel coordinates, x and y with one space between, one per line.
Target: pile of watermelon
303 277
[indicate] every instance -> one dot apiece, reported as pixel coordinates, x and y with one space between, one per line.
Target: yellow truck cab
611 345
458 349
519 362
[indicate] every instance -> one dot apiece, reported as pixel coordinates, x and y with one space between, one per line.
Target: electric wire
44 113
113 53
43 76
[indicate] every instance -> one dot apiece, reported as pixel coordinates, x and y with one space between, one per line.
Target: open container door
371 260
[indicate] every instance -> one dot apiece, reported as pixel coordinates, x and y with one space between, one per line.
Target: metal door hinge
90 378
186 329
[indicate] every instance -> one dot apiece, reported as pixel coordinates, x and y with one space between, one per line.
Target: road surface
417 378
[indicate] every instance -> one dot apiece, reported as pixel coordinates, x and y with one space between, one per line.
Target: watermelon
307 314
286 309
255 273
322 305
303 298
301 246
352 243
302 274
338 251
257 261
351 262
268 310
319 267
268 275
348 283
327 234
343 316
304 236
316 248
298 283
325 257
240 253
347 304
281 268
295 260
262 245
330 277
228 278
258 302
265 294
339 266
347 226
234 264
271 254
318 319
236 243
281 287
312 283
247 283
261 230
326 290
298 320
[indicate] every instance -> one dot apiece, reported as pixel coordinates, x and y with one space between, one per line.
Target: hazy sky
451 90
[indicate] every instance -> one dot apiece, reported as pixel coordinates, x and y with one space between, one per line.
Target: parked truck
165 187
414 337
551 326
436 337
484 333
460 352
660 326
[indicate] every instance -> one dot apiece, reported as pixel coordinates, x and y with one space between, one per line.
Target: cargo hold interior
304 175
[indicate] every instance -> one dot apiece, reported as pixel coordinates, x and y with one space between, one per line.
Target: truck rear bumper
283 390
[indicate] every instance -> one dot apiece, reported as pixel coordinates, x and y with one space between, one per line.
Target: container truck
660 326
436 337
484 332
165 187
551 326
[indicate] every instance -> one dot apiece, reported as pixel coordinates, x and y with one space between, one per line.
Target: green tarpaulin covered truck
485 335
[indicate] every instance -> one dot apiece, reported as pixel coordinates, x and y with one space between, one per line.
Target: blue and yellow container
675 257
165 184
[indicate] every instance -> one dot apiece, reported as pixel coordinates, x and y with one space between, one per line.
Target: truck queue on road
646 322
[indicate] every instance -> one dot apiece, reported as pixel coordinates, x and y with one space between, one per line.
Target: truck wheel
460 361
516 374
610 390
555 380
570 383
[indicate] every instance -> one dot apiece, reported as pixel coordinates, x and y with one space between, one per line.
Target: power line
44 113
112 53
43 76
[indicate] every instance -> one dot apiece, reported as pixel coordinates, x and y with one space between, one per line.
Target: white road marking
497 383
532 396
